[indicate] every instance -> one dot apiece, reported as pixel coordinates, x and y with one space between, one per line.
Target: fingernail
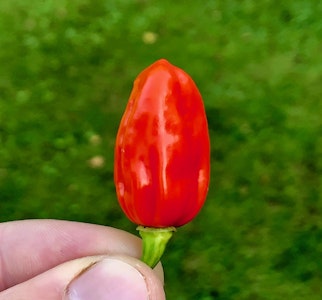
108 279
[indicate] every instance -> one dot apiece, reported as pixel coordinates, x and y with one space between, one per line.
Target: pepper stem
154 243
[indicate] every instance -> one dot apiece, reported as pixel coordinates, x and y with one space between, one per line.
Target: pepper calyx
154 243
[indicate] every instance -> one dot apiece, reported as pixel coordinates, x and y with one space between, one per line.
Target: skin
39 258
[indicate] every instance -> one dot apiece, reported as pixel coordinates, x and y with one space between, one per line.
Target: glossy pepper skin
162 152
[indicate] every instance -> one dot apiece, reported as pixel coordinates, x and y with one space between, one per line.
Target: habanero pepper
162 155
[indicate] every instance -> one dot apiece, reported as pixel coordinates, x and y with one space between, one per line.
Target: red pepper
162 153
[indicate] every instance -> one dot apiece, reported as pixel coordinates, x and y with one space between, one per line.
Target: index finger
30 247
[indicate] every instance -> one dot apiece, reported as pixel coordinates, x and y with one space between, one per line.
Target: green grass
66 71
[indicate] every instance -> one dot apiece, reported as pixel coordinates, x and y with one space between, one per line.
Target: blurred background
66 71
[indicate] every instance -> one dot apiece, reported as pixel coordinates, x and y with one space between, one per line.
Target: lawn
66 71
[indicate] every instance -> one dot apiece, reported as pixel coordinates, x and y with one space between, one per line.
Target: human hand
55 260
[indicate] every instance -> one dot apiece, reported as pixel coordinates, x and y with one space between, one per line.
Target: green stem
154 243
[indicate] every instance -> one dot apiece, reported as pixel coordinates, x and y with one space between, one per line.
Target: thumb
116 278
100 277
